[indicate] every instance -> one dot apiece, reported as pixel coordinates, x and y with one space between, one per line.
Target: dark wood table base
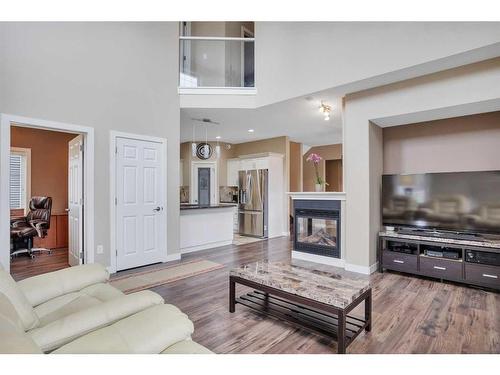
325 319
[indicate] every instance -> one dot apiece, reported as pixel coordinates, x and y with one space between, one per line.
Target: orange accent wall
49 163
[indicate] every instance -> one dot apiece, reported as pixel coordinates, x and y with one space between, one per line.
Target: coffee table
315 299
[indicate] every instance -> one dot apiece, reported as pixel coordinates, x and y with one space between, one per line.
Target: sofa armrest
42 288
70 327
148 332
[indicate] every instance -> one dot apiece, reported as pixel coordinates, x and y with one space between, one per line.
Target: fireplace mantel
321 195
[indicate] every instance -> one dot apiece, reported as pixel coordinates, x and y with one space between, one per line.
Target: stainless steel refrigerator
253 205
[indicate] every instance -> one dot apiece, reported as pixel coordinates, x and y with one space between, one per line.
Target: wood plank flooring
22 266
410 314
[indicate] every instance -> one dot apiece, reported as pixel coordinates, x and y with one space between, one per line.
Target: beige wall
296 166
467 143
49 163
327 152
107 75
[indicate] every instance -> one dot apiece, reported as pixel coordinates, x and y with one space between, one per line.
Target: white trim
113 135
318 259
173 257
321 195
361 269
217 91
206 246
88 169
218 38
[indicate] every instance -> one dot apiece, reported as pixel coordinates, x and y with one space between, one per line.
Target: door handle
398 261
490 276
440 268
157 209
67 209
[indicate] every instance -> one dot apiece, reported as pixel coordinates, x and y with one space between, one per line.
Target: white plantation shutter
17 181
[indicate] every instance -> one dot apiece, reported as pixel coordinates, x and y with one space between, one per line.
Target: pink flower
315 158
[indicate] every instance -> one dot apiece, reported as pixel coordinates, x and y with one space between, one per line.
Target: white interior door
75 201
140 203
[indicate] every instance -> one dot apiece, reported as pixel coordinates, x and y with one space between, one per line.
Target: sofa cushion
186 347
70 327
147 332
8 311
24 309
70 303
13 340
42 288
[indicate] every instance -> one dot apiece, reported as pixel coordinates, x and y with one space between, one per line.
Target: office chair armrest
41 226
70 327
15 221
42 288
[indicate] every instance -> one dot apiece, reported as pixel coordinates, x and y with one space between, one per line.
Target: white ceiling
297 118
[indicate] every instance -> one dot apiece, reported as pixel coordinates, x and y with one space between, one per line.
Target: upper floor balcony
217 58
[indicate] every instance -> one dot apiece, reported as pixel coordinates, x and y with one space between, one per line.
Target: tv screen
459 201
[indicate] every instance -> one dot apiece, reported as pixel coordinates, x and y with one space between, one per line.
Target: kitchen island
205 226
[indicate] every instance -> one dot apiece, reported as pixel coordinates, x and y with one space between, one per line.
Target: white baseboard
172 257
318 259
211 245
361 269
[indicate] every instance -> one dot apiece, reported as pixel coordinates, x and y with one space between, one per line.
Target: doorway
247 59
333 175
139 194
36 197
204 189
204 186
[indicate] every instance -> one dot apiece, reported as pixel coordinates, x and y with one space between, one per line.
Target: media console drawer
482 274
441 268
399 261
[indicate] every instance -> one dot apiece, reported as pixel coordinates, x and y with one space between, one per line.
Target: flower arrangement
316 159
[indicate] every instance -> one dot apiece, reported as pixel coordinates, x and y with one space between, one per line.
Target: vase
318 187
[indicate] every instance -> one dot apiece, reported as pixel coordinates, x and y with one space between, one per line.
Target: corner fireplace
317 227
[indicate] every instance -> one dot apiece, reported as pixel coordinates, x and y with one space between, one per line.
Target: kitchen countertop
191 206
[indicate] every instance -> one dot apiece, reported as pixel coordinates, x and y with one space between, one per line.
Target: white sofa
75 310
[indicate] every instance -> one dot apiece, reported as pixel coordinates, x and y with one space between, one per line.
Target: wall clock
200 151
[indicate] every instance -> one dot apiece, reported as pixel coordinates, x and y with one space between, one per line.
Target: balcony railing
216 62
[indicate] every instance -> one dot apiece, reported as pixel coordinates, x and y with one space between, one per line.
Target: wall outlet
100 249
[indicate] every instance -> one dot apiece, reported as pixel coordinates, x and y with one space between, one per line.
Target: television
464 202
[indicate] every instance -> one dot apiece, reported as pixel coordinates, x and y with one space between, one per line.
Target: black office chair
36 223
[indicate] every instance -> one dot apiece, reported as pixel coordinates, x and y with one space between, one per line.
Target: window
20 170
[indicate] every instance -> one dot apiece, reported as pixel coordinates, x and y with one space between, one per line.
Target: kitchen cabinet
233 167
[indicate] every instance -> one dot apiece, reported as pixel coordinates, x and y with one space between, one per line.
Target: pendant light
193 145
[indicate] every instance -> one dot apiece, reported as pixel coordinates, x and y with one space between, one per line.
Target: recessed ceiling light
218 137
251 130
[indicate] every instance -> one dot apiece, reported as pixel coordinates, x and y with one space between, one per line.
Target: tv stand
442 234
468 261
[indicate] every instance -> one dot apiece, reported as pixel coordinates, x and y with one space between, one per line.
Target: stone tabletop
494 244
331 288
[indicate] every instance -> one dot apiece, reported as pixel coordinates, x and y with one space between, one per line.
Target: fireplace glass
317 232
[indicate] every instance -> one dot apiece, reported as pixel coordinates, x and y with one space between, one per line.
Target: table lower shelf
305 316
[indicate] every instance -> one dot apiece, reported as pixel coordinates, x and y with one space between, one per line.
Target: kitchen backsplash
228 194
184 191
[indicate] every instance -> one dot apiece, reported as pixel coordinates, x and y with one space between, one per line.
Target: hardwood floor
22 266
410 314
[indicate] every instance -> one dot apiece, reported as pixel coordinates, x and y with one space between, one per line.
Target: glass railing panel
217 62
